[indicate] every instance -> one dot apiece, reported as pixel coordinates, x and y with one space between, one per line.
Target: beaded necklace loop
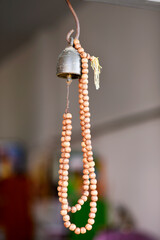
89 176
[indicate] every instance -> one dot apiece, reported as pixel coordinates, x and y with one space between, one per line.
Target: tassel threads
97 70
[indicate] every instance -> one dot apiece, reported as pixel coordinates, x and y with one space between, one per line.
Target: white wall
32 98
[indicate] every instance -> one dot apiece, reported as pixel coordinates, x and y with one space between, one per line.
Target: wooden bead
69 116
73 209
62 138
68 132
66 166
81 112
86 109
82 128
64 128
60 171
93 187
80 96
86 187
84 65
80 101
66 218
78 207
59 188
84 60
91 169
94 193
88 142
65 184
63 133
85 155
85 171
60 177
86 166
61 160
92 215
66 155
59 194
64 195
60 183
63 212
86 182
82 123
93 204
64 116
87 131
85 70
84 198
65 206
84 149
77 46
88 227
65 173
85 92
66 160
85 103
72 227
64 201
92 175
93 210
88 136
64 189
65 178
67 224
76 41
61 166
86 98
81 106
94 198
83 55
66 144
91 221
90 158
89 153
89 148
93 181
68 138
88 125
88 56
83 144
85 86
85 160
80 50
77 231
80 90
85 177
69 127
83 230
85 81
69 208
80 85
67 149
84 76
62 150
68 121
80 201
64 122
86 193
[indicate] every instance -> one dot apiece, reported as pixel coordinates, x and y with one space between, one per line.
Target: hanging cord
69 81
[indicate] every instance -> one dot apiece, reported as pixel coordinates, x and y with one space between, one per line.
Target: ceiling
20 19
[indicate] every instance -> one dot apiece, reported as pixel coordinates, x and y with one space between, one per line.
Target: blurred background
125 35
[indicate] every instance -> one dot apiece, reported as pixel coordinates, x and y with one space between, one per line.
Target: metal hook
77 23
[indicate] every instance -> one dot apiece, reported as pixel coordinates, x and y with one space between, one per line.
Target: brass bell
69 63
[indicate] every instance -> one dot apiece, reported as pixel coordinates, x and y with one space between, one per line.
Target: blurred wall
32 98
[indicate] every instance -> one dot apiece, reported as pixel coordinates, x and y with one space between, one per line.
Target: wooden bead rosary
89 176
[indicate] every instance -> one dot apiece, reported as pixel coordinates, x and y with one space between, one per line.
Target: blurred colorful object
12 159
123 236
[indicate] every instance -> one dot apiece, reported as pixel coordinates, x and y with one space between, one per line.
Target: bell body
69 63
